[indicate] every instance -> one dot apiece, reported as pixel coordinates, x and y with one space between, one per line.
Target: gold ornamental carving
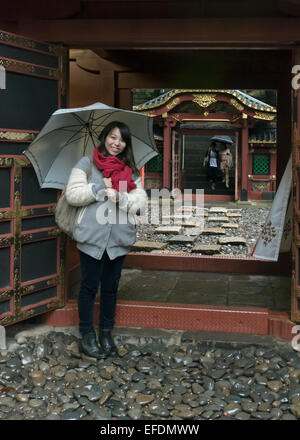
6 215
27 212
26 238
204 100
22 161
53 282
173 103
26 289
54 74
237 105
263 186
54 232
16 136
6 294
264 116
15 39
17 66
150 114
6 241
29 68
51 209
6 162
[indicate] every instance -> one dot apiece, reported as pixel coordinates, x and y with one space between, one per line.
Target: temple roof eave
238 99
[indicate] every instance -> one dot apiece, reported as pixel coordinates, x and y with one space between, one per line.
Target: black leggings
93 273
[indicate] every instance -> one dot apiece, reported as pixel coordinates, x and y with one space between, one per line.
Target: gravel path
250 223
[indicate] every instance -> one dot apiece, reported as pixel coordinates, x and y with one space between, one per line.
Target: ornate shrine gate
31 259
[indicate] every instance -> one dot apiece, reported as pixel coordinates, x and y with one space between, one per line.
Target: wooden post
167 143
273 156
169 123
244 182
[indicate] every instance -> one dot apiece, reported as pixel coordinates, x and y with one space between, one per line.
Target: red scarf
116 169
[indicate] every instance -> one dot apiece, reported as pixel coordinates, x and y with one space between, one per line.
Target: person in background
225 163
211 161
103 242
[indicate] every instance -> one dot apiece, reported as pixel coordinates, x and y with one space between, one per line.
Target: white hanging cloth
276 235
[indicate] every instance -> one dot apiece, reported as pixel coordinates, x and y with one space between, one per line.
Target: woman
211 162
104 229
225 163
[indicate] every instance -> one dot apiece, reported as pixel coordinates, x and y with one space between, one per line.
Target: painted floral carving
268 233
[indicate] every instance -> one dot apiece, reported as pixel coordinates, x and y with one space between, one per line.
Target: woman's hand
107 181
111 194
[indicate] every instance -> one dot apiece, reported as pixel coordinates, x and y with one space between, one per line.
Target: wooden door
31 252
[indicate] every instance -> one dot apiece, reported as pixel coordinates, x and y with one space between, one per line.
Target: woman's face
114 143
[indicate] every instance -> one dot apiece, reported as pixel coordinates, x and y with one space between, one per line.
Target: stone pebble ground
158 375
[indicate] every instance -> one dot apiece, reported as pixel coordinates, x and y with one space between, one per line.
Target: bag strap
89 171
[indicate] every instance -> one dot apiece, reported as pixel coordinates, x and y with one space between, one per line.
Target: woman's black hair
127 154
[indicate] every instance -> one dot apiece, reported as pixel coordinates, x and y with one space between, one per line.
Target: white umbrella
72 133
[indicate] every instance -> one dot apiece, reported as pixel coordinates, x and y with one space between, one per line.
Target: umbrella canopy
222 139
73 133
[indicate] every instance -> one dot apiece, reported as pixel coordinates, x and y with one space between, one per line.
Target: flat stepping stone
233 214
201 214
187 209
217 209
190 224
232 240
168 230
193 231
148 245
230 225
176 217
217 219
182 239
208 249
210 231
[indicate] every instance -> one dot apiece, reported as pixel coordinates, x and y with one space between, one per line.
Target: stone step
176 218
217 219
168 230
148 246
211 231
208 249
193 231
233 240
230 225
233 214
182 239
186 209
190 224
217 209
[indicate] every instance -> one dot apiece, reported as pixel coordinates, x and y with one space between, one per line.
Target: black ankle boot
90 347
107 343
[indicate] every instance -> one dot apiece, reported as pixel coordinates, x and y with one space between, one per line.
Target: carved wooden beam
121 34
